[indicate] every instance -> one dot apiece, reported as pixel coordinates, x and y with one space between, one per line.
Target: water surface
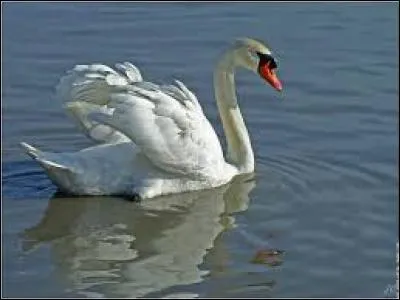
318 219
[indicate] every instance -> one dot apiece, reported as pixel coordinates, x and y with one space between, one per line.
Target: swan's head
254 55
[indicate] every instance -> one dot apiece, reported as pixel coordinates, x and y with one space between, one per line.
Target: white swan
153 140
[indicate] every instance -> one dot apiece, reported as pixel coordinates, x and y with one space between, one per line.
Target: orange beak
270 76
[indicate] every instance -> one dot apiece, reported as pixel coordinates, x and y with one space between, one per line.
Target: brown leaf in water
270 257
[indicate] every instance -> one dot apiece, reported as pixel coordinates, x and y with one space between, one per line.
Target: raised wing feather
86 89
169 130
165 121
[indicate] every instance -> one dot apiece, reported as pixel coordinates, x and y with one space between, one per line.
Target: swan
153 140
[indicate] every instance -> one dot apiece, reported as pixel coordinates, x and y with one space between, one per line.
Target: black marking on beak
267 59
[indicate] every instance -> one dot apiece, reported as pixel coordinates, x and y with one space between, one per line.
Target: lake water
318 219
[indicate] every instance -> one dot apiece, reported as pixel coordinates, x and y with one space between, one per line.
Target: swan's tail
55 166
31 151
40 157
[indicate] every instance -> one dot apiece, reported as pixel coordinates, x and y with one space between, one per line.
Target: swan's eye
253 55
267 59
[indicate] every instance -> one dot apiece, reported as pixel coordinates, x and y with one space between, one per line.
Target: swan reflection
114 248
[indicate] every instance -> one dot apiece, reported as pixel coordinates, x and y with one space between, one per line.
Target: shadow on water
115 248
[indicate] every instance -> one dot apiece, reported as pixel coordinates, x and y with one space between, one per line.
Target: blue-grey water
320 216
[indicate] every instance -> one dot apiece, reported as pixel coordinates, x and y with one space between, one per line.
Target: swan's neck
239 152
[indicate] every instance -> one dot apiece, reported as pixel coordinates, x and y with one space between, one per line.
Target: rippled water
320 216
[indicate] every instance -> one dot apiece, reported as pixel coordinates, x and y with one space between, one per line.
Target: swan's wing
86 89
166 123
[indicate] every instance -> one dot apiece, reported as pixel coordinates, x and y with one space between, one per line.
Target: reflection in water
114 248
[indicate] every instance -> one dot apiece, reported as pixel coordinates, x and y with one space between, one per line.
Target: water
325 193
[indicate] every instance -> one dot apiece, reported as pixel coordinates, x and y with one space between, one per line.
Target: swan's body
152 140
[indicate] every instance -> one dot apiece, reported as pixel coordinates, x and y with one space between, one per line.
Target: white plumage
151 139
